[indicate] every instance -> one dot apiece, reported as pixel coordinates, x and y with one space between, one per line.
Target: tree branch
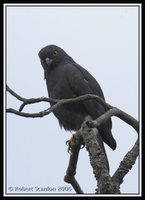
114 112
57 103
14 93
71 170
32 115
128 161
106 184
126 164
98 161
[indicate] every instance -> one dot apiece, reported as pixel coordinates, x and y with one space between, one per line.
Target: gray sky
104 40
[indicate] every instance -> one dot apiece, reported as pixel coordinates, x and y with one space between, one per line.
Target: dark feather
66 79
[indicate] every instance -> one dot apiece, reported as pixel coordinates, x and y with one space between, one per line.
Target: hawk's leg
75 140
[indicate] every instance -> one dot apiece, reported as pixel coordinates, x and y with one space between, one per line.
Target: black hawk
67 79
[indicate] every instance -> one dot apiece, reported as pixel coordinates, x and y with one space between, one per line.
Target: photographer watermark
39 189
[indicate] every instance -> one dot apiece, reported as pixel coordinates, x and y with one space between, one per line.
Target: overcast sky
104 40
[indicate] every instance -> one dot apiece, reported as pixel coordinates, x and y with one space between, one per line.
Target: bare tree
106 184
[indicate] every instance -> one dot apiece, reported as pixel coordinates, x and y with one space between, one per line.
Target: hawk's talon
69 143
69 150
82 145
72 142
69 147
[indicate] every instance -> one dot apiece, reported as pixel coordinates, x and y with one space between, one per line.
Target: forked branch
106 183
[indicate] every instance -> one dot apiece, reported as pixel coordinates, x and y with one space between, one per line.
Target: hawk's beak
48 61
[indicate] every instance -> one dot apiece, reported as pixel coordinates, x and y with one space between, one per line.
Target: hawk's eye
55 53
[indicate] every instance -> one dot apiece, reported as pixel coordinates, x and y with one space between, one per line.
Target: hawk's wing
81 84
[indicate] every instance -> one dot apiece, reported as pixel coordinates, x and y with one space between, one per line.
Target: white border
73 4
140 103
4 100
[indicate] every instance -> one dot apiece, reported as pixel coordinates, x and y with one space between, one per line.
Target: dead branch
113 111
126 164
71 170
98 161
128 161
118 113
106 184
